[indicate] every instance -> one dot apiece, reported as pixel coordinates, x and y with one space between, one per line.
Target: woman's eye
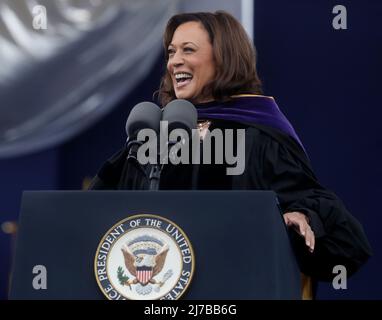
170 52
188 50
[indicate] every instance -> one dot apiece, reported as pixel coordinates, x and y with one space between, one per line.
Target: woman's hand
300 223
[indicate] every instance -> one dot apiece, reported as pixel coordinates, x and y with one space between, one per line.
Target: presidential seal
144 257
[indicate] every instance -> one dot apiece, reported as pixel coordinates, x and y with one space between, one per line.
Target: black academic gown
274 161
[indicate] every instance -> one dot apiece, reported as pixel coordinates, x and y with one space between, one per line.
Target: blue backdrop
325 80
328 83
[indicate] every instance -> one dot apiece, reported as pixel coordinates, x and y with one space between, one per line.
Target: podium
240 242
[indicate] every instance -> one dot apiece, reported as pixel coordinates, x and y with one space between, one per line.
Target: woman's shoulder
275 144
263 137
268 135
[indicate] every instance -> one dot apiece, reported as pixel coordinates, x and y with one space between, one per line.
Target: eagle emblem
144 258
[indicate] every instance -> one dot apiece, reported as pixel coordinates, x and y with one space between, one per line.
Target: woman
211 62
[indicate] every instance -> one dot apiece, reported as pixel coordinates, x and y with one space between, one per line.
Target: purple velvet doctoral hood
254 109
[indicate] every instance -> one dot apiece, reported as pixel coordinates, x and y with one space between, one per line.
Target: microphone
180 114
145 115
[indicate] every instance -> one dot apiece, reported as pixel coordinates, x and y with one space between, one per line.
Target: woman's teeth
180 77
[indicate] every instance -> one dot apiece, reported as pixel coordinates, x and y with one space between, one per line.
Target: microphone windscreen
145 115
180 114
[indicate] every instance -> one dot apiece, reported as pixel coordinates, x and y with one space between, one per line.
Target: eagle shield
145 257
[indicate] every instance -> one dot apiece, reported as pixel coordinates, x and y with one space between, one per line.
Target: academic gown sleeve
117 173
340 239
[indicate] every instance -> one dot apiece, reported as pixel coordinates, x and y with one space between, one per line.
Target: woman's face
191 62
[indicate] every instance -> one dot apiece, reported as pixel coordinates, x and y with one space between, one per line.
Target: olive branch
121 276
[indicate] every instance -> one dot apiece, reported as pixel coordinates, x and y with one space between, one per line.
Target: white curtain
56 82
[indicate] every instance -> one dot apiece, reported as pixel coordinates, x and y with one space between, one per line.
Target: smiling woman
212 63
209 56
191 63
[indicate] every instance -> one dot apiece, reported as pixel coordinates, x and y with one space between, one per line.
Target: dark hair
234 55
